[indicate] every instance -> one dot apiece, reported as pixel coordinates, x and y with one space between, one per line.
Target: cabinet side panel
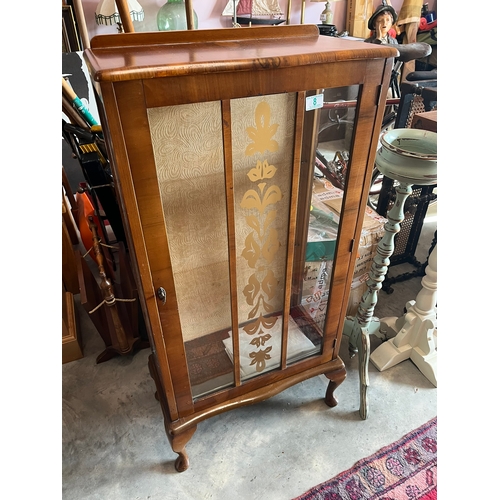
129 143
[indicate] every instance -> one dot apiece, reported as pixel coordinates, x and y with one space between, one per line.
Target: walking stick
78 104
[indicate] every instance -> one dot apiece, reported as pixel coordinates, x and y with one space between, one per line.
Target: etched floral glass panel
262 131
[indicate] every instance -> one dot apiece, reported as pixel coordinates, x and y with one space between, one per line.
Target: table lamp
107 13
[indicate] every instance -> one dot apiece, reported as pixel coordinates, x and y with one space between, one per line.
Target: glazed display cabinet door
229 231
214 149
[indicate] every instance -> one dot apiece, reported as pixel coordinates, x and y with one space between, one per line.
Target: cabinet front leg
336 378
177 438
178 443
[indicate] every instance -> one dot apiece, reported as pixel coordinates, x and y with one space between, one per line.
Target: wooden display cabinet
212 136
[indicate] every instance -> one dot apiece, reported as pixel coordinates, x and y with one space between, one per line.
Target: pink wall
209 13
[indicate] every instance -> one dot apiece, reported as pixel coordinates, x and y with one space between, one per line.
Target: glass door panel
263 140
335 124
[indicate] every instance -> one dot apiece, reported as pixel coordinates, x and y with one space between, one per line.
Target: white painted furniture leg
413 333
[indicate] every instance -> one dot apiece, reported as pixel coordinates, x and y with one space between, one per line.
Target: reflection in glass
333 147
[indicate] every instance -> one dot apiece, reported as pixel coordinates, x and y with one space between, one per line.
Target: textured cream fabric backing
187 145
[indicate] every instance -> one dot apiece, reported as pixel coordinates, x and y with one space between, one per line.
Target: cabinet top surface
133 56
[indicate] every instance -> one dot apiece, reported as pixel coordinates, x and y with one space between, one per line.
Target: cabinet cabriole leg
182 462
336 378
178 443
177 439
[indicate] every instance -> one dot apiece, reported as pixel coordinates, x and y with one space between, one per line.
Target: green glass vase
172 16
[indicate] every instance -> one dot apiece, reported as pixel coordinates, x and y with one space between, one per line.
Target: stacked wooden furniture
212 135
358 14
71 340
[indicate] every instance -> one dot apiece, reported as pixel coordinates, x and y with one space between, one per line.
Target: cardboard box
322 233
316 281
315 291
358 15
425 121
373 224
331 197
317 274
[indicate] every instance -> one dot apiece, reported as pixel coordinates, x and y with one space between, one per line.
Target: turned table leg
359 328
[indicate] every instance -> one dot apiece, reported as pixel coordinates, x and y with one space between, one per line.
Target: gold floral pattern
253 199
262 171
261 243
259 358
262 132
260 324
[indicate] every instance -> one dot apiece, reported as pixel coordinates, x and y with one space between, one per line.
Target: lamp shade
107 12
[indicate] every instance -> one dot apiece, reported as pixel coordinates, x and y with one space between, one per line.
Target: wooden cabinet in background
358 15
212 136
71 341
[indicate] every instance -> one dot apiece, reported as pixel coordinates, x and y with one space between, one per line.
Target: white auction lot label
314 102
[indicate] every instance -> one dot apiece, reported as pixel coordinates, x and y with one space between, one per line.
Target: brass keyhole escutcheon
162 295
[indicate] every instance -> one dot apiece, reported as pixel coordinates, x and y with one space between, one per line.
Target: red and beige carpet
404 470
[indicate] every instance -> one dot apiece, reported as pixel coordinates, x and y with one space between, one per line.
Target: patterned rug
404 470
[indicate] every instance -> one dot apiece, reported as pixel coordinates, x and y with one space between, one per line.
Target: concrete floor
114 445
